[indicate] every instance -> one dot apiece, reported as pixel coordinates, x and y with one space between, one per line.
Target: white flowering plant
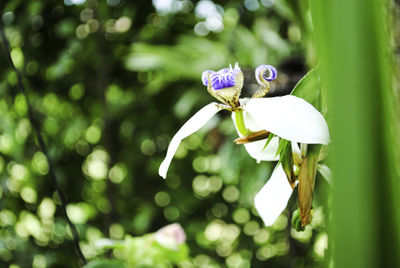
286 129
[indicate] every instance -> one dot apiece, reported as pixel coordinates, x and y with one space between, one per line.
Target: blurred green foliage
111 82
359 48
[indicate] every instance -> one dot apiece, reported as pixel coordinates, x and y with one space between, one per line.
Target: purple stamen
224 78
204 76
262 69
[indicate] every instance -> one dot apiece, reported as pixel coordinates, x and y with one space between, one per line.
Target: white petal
289 117
256 149
303 148
273 197
296 153
296 149
192 125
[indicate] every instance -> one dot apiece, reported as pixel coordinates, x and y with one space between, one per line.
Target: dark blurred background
111 82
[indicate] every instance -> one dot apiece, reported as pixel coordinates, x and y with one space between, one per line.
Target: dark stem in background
43 148
109 137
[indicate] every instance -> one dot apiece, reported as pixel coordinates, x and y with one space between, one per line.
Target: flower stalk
240 123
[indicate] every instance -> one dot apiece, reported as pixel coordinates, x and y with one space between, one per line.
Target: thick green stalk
240 123
354 53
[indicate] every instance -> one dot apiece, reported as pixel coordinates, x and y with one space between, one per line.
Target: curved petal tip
191 126
272 199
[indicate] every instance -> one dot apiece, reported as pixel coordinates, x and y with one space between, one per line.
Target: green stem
240 123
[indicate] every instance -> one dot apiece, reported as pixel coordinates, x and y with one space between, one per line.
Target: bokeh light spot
123 24
148 147
32 67
241 215
29 195
231 232
201 185
224 249
214 231
116 231
96 164
321 245
118 173
104 205
280 223
230 194
6 143
39 163
39 261
76 91
18 171
8 18
251 5
17 57
201 29
7 217
265 253
251 228
171 213
219 210
173 181
47 208
262 236
162 199
93 134
82 31
200 164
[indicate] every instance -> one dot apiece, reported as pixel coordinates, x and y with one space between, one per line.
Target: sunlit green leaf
309 88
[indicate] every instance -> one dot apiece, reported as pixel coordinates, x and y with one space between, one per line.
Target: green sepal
281 147
306 177
271 135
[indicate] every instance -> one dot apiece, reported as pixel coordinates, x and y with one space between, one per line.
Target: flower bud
296 221
170 236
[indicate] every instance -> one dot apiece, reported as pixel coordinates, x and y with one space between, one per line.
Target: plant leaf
271 135
282 145
309 88
326 173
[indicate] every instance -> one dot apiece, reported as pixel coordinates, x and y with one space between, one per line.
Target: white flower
287 117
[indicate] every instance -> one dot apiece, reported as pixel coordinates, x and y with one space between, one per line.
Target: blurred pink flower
170 236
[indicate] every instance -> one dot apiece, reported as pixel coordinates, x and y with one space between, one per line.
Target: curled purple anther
204 76
261 73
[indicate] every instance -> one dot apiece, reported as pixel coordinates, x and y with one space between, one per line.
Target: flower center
225 85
